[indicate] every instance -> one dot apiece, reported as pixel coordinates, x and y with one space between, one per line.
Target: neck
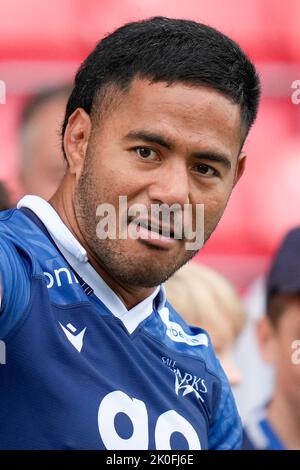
285 420
129 295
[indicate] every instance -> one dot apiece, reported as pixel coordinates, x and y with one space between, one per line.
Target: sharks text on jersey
186 382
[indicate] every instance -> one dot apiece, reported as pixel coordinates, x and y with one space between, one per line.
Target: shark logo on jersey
75 339
184 385
177 334
185 382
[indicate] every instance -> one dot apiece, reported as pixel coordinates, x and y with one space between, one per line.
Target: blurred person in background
276 426
42 163
207 300
4 198
247 354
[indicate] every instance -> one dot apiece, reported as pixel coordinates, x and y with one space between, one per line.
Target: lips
153 226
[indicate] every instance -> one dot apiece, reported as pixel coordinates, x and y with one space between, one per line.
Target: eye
146 153
206 170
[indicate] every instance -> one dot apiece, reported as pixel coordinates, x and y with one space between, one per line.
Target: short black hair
168 50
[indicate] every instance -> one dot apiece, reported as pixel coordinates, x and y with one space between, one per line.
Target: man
42 165
277 425
95 356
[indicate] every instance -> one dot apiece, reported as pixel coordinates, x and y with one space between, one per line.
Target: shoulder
17 265
190 345
225 423
188 339
13 238
195 342
21 240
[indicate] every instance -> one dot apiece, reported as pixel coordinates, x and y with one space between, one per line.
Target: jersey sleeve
226 430
14 286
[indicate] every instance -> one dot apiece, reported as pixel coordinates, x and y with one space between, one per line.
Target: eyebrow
152 137
149 137
214 157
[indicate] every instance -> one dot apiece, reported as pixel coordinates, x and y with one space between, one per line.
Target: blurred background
42 44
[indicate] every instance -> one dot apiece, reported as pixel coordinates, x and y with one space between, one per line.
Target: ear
240 167
267 339
76 140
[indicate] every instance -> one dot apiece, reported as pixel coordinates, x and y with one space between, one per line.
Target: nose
171 185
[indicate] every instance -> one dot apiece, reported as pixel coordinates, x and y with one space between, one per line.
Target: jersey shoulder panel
19 231
226 428
24 251
188 339
15 270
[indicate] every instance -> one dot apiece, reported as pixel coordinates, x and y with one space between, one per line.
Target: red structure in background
42 43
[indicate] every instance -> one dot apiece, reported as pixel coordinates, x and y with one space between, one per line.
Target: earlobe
240 167
76 140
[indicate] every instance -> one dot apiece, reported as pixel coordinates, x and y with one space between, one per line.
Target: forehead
179 111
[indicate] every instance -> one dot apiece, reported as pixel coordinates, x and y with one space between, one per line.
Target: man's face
159 145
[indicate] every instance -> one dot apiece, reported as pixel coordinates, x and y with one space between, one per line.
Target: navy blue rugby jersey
82 372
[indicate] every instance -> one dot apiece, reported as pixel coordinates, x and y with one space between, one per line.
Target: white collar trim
76 256
55 226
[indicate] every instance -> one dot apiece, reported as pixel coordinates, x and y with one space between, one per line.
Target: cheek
104 183
289 379
115 178
214 206
289 372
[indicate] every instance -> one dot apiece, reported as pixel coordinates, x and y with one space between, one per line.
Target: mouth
153 227
153 233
